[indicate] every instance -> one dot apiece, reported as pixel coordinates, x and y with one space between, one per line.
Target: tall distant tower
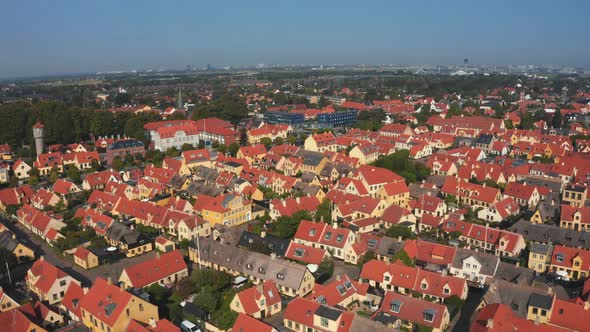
179 103
39 135
465 62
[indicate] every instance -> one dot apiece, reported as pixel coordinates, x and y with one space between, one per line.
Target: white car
187 326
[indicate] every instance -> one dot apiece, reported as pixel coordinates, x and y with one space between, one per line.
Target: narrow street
42 248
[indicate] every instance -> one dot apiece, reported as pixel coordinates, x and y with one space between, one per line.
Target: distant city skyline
68 37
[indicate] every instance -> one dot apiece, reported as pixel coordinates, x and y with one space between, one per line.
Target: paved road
473 300
42 248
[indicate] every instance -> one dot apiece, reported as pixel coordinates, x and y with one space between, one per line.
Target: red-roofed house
65 187
165 269
310 315
525 195
375 178
573 261
47 281
499 210
85 258
106 307
245 323
260 301
401 311
289 206
341 292
404 279
321 142
576 218
321 235
306 254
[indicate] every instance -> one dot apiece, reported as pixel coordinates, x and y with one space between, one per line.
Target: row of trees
66 124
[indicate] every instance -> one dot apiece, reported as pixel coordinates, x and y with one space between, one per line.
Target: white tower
39 135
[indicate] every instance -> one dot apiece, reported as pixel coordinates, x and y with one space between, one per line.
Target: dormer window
261 270
560 258
428 315
280 276
249 266
395 306
424 285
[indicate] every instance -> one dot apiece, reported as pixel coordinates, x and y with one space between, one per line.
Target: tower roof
38 125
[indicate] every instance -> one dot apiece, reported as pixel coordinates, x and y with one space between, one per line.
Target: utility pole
8 270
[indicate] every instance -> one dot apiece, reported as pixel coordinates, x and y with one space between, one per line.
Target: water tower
39 135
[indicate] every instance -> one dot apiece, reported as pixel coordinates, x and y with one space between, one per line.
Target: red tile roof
302 310
249 298
335 292
48 274
413 309
245 323
305 254
155 269
105 301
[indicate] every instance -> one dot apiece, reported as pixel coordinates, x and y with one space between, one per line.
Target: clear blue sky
72 36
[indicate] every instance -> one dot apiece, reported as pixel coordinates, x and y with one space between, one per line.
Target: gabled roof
411 309
245 323
47 274
249 298
105 301
155 269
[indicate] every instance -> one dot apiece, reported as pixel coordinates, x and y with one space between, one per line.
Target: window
325 322
559 258
280 276
395 306
428 315
535 311
62 283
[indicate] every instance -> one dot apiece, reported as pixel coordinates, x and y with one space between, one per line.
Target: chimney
273 255
263 234
297 200
399 238
157 254
109 280
490 323
259 289
338 278
152 322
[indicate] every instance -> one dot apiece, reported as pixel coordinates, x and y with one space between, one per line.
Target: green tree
222 148
327 266
557 120
403 257
266 142
73 174
279 141
324 211
233 149
291 139
7 257
187 147
53 174
397 231
117 163
172 152
201 145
